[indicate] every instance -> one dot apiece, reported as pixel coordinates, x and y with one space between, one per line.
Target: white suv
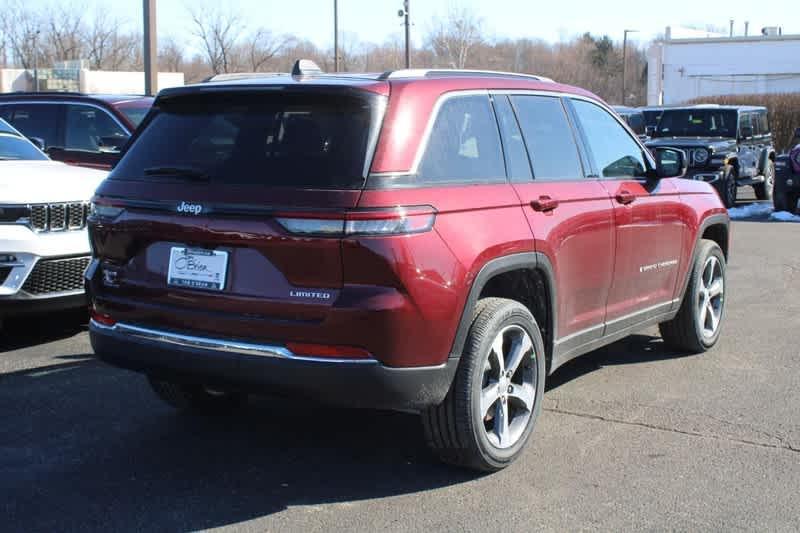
44 248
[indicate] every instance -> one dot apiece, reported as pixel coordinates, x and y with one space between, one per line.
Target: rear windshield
315 141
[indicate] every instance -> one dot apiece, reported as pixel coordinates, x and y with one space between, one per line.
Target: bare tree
261 47
65 33
454 38
219 33
106 46
170 56
21 28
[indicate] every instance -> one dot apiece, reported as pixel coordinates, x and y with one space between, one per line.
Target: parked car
43 244
787 178
78 129
651 115
426 240
728 146
634 118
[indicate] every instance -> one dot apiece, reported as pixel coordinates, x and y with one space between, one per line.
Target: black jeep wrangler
728 146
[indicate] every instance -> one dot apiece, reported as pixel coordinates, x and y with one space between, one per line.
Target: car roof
112 99
442 80
718 106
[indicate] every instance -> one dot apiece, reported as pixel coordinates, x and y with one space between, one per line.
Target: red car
78 129
438 241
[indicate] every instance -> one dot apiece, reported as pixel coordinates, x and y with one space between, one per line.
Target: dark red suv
436 241
87 130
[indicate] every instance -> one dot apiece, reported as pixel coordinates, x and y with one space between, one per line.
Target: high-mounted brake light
366 222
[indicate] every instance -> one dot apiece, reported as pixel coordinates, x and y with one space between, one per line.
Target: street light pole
150 48
335 36
408 34
624 60
36 61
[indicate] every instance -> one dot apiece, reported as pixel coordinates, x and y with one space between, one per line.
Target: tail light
103 208
101 318
362 222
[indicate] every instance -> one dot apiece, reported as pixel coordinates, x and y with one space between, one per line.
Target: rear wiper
183 172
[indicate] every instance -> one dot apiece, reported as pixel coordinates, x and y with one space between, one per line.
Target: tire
466 429
728 189
701 307
781 201
764 191
195 398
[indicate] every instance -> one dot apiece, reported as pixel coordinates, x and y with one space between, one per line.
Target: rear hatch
229 204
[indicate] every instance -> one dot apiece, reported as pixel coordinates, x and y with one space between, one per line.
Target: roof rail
455 73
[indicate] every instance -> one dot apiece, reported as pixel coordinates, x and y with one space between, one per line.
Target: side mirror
745 132
650 131
113 144
38 142
670 162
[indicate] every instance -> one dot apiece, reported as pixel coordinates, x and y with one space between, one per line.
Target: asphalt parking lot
632 437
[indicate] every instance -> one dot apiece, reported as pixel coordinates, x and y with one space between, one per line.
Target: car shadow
638 348
91 448
24 332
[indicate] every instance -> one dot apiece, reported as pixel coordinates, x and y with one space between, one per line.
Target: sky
377 20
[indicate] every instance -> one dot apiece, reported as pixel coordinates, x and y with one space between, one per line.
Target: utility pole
625 60
150 48
404 13
36 60
335 36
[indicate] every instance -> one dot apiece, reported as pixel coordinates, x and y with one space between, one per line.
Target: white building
681 69
83 80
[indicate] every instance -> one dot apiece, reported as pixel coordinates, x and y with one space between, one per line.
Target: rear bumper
270 368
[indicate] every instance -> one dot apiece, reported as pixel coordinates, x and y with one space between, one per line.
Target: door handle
625 197
544 204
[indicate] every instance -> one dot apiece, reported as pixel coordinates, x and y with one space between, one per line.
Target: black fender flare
526 260
766 154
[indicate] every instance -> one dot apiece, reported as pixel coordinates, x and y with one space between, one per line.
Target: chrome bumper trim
219 345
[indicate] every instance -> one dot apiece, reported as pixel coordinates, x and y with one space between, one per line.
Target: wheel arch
525 277
714 227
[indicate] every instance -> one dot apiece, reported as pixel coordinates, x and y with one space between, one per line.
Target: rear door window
549 138
36 120
464 144
286 140
88 128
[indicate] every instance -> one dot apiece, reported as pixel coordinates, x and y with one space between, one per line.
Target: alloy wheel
508 387
710 297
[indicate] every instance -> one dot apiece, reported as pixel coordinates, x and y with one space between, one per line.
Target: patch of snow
757 210
784 216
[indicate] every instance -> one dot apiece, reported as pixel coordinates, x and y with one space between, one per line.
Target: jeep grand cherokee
431 240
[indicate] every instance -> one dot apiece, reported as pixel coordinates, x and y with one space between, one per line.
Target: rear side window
36 120
549 137
517 162
281 140
464 144
87 128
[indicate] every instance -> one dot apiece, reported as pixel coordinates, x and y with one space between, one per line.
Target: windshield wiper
182 172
